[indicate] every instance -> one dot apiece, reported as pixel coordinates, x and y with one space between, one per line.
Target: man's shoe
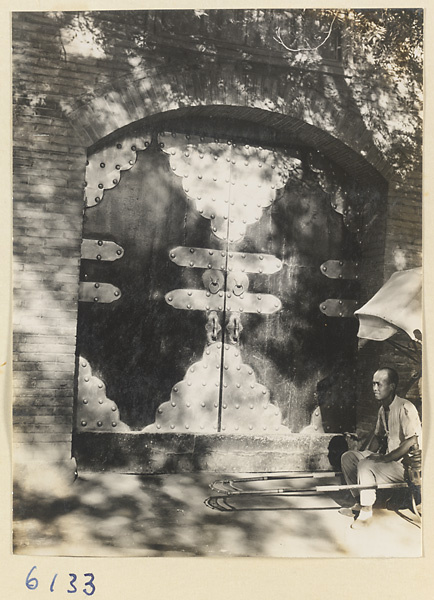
357 524
362 523
351 511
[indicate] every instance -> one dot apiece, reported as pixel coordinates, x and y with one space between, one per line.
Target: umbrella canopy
397 305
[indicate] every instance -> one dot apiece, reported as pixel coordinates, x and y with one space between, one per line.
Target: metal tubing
231 482
319 489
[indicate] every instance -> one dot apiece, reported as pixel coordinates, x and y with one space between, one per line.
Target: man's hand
378 458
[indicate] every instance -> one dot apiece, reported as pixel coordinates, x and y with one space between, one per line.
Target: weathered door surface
218 284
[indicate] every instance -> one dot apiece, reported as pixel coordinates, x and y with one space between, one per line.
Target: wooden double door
217 324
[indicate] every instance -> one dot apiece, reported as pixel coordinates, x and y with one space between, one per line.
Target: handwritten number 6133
88 589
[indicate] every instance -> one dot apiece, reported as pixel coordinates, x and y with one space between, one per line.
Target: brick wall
402 249
48 171
66 97
404 230
49 164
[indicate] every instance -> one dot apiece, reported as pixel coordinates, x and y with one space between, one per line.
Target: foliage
382 57
380 51
387 52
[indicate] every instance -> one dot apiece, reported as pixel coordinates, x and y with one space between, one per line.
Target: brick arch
227 90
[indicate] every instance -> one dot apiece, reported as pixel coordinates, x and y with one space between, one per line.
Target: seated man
398 422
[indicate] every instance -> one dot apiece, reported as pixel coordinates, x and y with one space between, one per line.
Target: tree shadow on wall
380 47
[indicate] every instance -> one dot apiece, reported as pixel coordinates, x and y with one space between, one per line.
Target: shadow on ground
165 515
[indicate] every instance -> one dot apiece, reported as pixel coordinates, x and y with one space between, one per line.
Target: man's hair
392 375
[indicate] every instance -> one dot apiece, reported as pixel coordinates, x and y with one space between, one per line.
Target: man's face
382 387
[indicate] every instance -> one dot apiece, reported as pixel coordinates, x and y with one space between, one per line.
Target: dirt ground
111 514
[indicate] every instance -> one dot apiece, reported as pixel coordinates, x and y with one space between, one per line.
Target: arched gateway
222 260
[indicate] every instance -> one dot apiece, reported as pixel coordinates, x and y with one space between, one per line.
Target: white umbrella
396 306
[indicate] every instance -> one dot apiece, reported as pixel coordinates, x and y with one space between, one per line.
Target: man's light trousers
357 468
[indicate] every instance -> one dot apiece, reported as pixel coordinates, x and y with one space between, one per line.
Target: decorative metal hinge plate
230 184
104 168
339 203
208 258
194 401
335 307
95 412
340 269
201 300
101 250
315 426
102 293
